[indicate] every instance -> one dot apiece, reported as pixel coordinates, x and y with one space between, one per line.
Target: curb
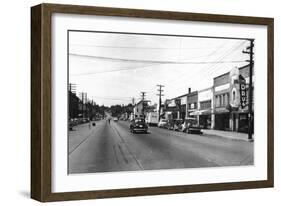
230 138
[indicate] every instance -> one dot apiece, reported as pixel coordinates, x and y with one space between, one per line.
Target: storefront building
228 112
176 108
217 107
221 101
139 109
240 115
205 108
192 104
182 106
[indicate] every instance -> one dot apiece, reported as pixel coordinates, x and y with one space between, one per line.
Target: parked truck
151 118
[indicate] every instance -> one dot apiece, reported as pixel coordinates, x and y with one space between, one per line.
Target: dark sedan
138 125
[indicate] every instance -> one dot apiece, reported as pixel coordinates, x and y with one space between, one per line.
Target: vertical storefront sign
243 94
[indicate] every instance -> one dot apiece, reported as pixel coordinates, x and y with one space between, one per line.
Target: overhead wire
155 63
146 61
210 69
145 48
150 62
202 68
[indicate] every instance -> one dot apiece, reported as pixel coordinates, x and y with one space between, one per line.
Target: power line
180 49
154 63
211 70
147 48
208 70
214 52
146 61
112 98
114 70
123 100
142 67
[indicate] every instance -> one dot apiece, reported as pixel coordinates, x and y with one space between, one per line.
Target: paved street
111 147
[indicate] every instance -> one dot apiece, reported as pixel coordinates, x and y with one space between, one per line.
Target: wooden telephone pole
250 98
143 99
160 101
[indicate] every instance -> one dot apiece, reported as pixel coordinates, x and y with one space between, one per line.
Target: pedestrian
89 124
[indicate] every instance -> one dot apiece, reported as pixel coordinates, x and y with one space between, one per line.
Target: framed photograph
130 102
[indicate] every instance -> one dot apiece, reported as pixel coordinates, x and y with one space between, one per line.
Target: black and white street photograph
139 101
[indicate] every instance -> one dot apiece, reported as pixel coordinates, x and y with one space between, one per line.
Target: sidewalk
227 134
79 134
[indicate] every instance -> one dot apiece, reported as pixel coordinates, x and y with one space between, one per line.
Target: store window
217 101
226 99
233 95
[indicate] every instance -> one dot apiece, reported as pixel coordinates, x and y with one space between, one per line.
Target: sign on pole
243 94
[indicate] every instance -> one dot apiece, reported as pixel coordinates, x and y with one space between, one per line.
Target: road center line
125 143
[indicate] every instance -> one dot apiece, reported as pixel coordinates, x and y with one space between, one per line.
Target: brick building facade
228 113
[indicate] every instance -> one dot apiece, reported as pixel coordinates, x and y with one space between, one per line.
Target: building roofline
187 94
228 72
247 65
211 87
141 102
221 75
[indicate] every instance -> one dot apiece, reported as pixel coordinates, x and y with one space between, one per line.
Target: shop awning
201 112
221 110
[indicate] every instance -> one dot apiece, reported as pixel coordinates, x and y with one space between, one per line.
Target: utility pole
83 98
72 88
133 109
250 98
143 96
160 102
142 99
71 92
85 104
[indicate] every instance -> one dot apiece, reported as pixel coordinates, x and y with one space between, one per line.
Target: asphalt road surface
109 147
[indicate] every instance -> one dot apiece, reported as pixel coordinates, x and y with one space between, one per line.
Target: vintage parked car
115 119
176 124
138 125
163 123
85 120
191 125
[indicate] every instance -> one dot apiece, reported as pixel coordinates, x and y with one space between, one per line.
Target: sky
114 68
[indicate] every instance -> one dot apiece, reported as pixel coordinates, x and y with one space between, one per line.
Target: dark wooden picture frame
41 101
